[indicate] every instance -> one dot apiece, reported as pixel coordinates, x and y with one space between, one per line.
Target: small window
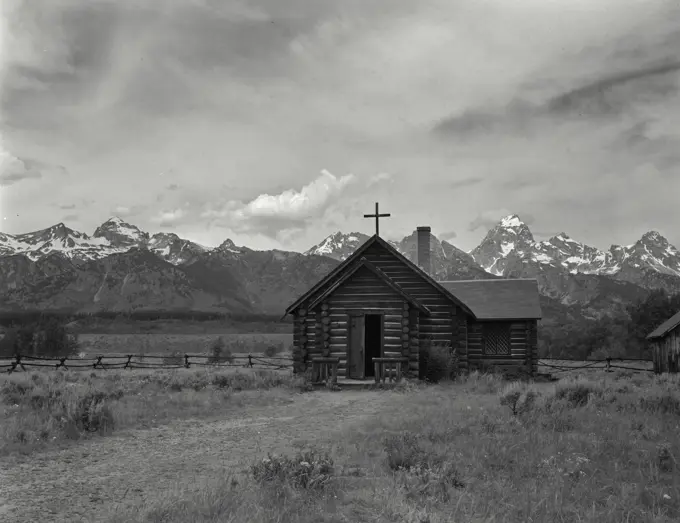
496 339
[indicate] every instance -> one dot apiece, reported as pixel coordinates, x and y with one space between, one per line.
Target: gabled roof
499 299
363 262
375 239
666 327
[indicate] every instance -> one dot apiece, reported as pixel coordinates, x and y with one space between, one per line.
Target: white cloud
278 215
168 218
296 205
13 170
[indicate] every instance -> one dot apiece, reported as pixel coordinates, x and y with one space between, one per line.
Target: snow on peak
338 245
229 246
511 220
119 232
654 236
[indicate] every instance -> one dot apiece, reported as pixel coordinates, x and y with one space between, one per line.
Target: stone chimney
423 249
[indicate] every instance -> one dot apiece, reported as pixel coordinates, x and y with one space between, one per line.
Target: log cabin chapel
379 307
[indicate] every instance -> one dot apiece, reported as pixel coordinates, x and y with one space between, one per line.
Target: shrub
519 399
404 451
92 414
273 350
482 382
438 361
661 401
219 353
303 381
309 470
423 481
576 393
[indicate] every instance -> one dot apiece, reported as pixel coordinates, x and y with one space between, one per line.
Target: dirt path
84 481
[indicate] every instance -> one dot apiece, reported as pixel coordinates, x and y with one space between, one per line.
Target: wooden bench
388 368
325 370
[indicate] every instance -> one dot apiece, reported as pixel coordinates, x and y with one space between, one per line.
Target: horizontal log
429 328
335 298
490 359
363 286
447 321
364 309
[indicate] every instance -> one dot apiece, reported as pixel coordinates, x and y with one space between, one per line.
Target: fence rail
603 364
251 361
139 361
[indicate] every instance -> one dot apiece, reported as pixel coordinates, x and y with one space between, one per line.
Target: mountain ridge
62 267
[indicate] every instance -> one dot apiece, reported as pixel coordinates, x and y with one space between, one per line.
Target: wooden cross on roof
377 217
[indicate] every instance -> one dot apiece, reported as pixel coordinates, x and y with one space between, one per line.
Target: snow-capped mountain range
506 247
120 266
511 240
112 237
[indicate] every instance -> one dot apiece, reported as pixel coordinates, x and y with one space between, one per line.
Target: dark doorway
373 336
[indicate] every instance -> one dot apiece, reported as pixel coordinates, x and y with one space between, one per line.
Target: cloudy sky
277 122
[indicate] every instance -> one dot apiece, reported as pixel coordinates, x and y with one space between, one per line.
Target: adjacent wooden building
379 304
665 341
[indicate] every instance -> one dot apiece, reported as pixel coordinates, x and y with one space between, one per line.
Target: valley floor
87 480
597 449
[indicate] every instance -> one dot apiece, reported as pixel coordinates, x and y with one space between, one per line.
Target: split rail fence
137 361
606 364
254 361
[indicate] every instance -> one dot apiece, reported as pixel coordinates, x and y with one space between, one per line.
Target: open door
355 348
373 341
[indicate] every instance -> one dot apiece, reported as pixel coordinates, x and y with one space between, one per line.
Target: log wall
365 293
523 347
666 352
439 327
405 327
325 330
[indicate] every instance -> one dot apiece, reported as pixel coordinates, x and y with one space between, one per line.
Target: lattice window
496 338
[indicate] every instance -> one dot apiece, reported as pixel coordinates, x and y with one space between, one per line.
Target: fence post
16 364
186 361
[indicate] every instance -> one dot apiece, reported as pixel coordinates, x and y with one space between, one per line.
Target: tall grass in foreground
478 450
42 408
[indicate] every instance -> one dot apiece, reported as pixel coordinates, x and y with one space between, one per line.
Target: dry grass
600 449
109 344
41 409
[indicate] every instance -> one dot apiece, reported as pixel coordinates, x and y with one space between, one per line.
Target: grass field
596 447
153 343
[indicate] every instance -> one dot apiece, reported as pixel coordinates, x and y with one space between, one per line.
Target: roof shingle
501 299
665 327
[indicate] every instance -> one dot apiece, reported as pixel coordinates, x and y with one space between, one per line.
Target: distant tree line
8 319
620 335
43 337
